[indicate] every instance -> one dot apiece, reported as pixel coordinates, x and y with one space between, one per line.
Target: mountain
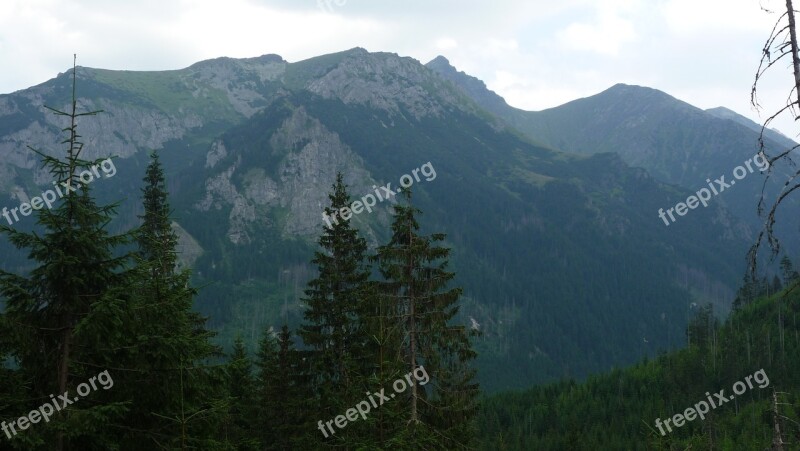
474 88
566 268
771 134
674 141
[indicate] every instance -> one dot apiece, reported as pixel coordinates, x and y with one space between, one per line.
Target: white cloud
502 45
605 35
38 37
718 16
239 28
529 94
445 44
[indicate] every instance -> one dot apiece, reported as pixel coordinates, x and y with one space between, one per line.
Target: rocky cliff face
242 80
141 111
311 156
145 111
475 88
388 83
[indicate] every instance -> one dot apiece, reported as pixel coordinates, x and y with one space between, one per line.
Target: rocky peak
441 65
242 80
473 87
387 82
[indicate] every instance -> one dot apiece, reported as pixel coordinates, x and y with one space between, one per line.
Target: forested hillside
619 409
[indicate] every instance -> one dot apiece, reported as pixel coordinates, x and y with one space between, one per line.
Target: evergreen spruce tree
240 430
776 286
12 388
157 241
334 328
790 276
176 397
68 303
439 414
383 428
266 390
294 371
747 292
283 388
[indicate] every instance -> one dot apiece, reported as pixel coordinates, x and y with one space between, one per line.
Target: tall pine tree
175 393
239 431
439 414
68 302
283 388
334 327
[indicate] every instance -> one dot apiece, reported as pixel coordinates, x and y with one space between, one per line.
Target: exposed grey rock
122 130
239 79
216 153
387 81
261 189
220 192
312 157
308 174
188 249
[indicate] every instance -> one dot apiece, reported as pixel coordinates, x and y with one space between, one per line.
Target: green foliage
523 221
165 343
90 305
87 306
493 211
788 271
241 386
283 384
57 314
334 329
617 410
422 307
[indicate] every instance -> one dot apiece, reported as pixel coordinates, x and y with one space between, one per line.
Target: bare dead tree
782 42
777 437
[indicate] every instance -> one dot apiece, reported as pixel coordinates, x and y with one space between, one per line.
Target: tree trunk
795 57
777 440
63 373
413 331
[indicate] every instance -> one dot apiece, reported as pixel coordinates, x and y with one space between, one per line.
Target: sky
537 54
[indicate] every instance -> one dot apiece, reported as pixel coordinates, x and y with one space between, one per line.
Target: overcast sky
535 53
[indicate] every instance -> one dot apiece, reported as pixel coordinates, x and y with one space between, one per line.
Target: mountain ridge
251 149
673 140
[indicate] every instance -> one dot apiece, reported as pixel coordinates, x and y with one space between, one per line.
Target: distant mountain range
551 215
674 141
